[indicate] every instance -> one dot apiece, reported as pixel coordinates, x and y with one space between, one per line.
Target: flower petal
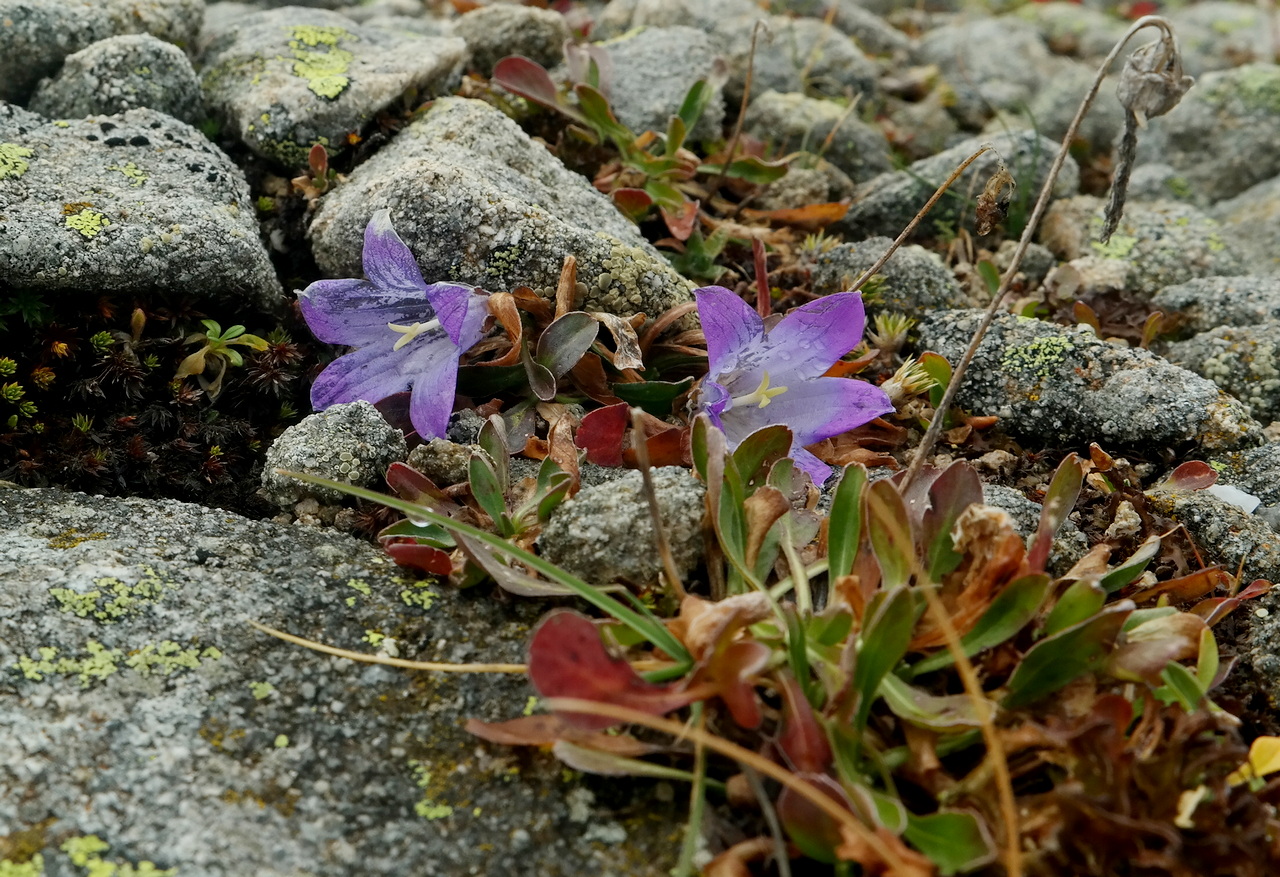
814 410
370 373
388 263
432 400
729 323
810 338
818 471
356 312
461 310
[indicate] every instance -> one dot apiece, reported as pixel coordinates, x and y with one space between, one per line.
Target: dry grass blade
655 513
390 662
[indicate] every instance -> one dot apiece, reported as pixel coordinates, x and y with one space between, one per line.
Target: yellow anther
412 331
763 394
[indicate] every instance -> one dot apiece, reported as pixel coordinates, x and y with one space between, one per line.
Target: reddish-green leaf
951 493
1191 475
601 432
567 658
1059 499
421 557
889 530
527 78
1058 660
1119 576
802 739
634 203
810 828
886 634
1011 610
564 342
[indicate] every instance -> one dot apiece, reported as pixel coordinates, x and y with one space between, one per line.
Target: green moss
1040 357
87 221
318 59
1120 246
33 867
11 160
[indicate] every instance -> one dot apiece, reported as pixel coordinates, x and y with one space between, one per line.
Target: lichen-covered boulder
1243 360
123 73
794 122
36 35
653 70
138 202
350 442
916 280
494 32
1068 387
479 202
142 719
286 79
991 63
1208 302
605 533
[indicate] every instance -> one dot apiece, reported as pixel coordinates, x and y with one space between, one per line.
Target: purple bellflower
408 334
760 375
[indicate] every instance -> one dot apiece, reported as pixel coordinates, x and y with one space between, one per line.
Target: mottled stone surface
1067 387
915 281
653 70
794 122
286 79
137 203
479 202
143 718
1243 360
493 32
1209 302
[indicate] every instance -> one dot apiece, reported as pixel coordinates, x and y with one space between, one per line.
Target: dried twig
655 513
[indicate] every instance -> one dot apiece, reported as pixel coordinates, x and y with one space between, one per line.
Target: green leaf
1124 574
655 397
665 194
1011 611
944 713
541 380
1180 684
891 615
990 275
757 453
493 441
646 625
565 341
1207 664
1081 600
844 521
752 169
936 367
889 530
487 490
695 102
954 840
1058 660
951 493
1059 499
676 132
428 534
597 113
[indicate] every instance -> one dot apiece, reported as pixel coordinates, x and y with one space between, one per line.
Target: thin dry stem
390 662
918 218
1037 213
722 746
655 513
742 114
995 749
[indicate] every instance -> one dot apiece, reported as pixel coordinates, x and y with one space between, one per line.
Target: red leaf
600 434
1192 475
411 485
423 557
681 224
635 203
519 75
568 659
802 739
544 730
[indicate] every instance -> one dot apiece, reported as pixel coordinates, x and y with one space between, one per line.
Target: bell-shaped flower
761 374
408 334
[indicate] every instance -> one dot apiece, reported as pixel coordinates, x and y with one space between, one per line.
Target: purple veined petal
388 263
810 338
730 325
814 410
461 311
817 470
356 312
712 399
370 373
431 402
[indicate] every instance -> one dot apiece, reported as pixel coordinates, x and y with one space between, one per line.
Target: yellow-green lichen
318 59
261 690
419 595
97 664
135 174
112 599
12 160
87 221
373 638
1120 246
1179 187
1256 86
84 852
33 867
360 585
1040 357
1215 243
282 741
72 537
167 657
529 705
426 808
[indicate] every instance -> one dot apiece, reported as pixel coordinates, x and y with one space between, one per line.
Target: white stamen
412 331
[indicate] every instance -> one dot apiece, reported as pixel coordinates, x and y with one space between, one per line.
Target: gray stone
36 35
991 63
871 32
1221 138
653 70
493 32
885 204
443 461
286 79
138 708
1068 546
136 203
1209 302
479 202
350 443
916 280
372 9
1254 470
1226 533
1068 387
1157 244
1218 35
803 186
1242 360
921 127
123 73
795 55
794 123
620 16
1074 29
1251 222
605 534
1054 105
